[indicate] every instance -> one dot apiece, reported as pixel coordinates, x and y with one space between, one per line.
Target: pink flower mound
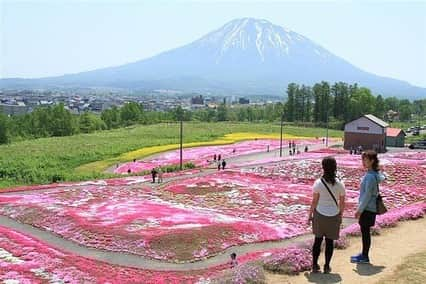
137 221
28 260
251 196
390 218
200 155
290 260
242 274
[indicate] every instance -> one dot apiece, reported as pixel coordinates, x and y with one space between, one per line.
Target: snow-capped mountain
247 56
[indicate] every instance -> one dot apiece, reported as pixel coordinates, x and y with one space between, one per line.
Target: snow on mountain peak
251 34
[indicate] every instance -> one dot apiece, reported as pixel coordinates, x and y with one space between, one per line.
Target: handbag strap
329 191
377 185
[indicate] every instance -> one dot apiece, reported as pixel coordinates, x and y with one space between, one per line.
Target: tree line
315 105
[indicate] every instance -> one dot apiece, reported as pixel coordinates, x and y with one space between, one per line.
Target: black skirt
367 219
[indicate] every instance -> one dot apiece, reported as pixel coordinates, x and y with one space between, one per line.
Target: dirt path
132 260
388 251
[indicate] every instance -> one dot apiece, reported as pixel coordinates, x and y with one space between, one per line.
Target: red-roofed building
395 137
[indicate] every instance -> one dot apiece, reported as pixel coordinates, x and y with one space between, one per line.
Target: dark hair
372 156
233 255
329 166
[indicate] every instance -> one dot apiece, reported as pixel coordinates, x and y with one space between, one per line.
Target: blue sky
45 38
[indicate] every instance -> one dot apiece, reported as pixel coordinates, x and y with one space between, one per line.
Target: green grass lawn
47 160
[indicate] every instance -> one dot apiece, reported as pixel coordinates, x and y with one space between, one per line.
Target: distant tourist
267 148
289 144
160 175
214 157
129 171
219 157
306 148
223 164
366 212
218 165
234 261
328 204
233 151
134 160
290 152
153 174
323 140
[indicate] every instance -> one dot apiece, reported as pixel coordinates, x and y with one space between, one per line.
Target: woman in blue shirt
366 212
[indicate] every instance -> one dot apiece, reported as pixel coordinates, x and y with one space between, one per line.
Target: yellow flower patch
231 138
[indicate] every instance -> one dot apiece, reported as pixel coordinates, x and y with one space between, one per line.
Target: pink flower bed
197 217
391 218
24 259
136 220
404 184
201 155
280 202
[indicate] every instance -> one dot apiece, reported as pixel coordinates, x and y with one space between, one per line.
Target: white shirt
326 205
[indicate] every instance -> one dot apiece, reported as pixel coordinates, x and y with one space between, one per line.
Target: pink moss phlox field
27 260
281 203
137 221
197 217
203 156
391 218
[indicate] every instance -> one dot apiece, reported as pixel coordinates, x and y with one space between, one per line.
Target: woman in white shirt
326 211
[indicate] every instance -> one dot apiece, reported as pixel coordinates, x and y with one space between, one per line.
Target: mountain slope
244 55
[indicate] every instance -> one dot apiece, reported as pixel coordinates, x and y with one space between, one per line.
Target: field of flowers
194 217
203 156
135 220
201 215
24 259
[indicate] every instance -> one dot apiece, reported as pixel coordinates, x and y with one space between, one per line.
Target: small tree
4 129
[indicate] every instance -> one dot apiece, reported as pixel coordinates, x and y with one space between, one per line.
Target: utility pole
326 134
281 136
181 144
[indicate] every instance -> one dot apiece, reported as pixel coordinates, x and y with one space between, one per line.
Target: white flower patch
201 253
39 272
97 182
203 280
232 194
10 281
8 257
185 226
282 209
249 237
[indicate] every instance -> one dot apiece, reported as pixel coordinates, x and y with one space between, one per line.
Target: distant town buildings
16 102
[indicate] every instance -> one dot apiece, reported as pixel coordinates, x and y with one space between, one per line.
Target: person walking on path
219 157
328 204
160 175
367 208
233 262
218 165
214 157
153 174
223 164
